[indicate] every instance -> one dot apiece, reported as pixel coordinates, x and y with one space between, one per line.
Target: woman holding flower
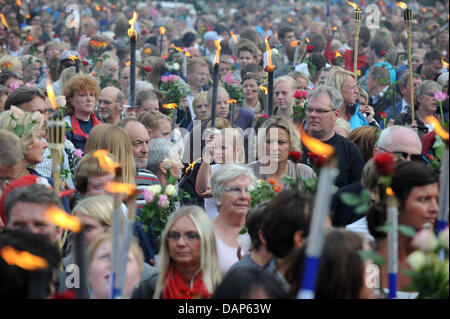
417 191
81 92
230 185
427 106
164 161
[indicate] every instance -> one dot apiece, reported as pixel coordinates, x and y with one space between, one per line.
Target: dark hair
364 35
341 269
282 32
432 55
407 175
254 221
19 283
6 75
319 42
379 44
188 39
252 70
287 213
241 282
318 60
23 95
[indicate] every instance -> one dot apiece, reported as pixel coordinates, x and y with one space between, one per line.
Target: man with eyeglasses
110 105
401 141
322 111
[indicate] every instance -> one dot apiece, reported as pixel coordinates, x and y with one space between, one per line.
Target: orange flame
444 64
354 5
128 189
73 23
73 57
231 101
338 54
315 145
131 30
263 88
234 36
97 7
51 94
219 47
18 2
162 30
105 162
389 191
191 165
22 259
402 5
127 63
424 10
3 20
61 219
293 44
270 66
307 40
335 28
180 50
437 127
170 106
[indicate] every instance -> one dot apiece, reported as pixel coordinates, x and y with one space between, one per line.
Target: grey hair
426 86
389 136
443 79
224 174
10 148
120 99
334 95
159 150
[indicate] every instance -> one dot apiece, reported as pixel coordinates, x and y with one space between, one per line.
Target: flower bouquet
429 271
174 88
233 87
301 103
263 191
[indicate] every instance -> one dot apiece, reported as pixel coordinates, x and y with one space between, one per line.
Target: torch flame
22 259
338 54
51 94
3 20
162 30
73 57
293 44
180 50
263 88
389 191
269 55
315 145
191 165
217 58
437 127
307 40
105 162
335 28
132 31
234 36
61 219
170 106
231 101
128 189
402 5
444 64
354 5
18 2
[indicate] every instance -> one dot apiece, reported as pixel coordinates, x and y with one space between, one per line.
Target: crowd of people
76 66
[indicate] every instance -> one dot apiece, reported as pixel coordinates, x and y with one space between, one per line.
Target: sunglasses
404 155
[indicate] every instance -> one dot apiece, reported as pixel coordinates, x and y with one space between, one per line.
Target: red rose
430 157
55 36
295 156
148 69
265 116
382 53
304 94
298 94
316 160
310 48
383 115
384 162
85 63
143 32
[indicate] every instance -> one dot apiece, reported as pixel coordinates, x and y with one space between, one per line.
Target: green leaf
243 230
350 199
385 228
361 209
369 254
407 230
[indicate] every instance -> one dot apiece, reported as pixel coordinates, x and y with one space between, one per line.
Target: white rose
61 101
251 188
275 51
170 190
155 189
443 237
176 66
417 259
244 242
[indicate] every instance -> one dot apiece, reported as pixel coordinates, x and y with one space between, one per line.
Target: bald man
110 104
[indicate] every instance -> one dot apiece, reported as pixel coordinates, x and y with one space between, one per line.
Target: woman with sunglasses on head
426 105
189 266
230 188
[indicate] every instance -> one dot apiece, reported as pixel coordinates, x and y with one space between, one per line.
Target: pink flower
425 240
78 153
163 201
148 196
13 86
228 78
440 96
169 78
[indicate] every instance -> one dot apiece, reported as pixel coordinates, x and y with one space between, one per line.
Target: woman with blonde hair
30 68
189 262
114 139
283 91
81 92
277 138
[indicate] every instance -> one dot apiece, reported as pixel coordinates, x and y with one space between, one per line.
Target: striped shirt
144 178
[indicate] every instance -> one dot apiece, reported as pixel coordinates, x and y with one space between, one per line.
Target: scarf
77 128
176 287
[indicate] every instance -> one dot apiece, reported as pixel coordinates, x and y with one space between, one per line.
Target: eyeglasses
430 94
404 155
318 111
236 190
188 237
